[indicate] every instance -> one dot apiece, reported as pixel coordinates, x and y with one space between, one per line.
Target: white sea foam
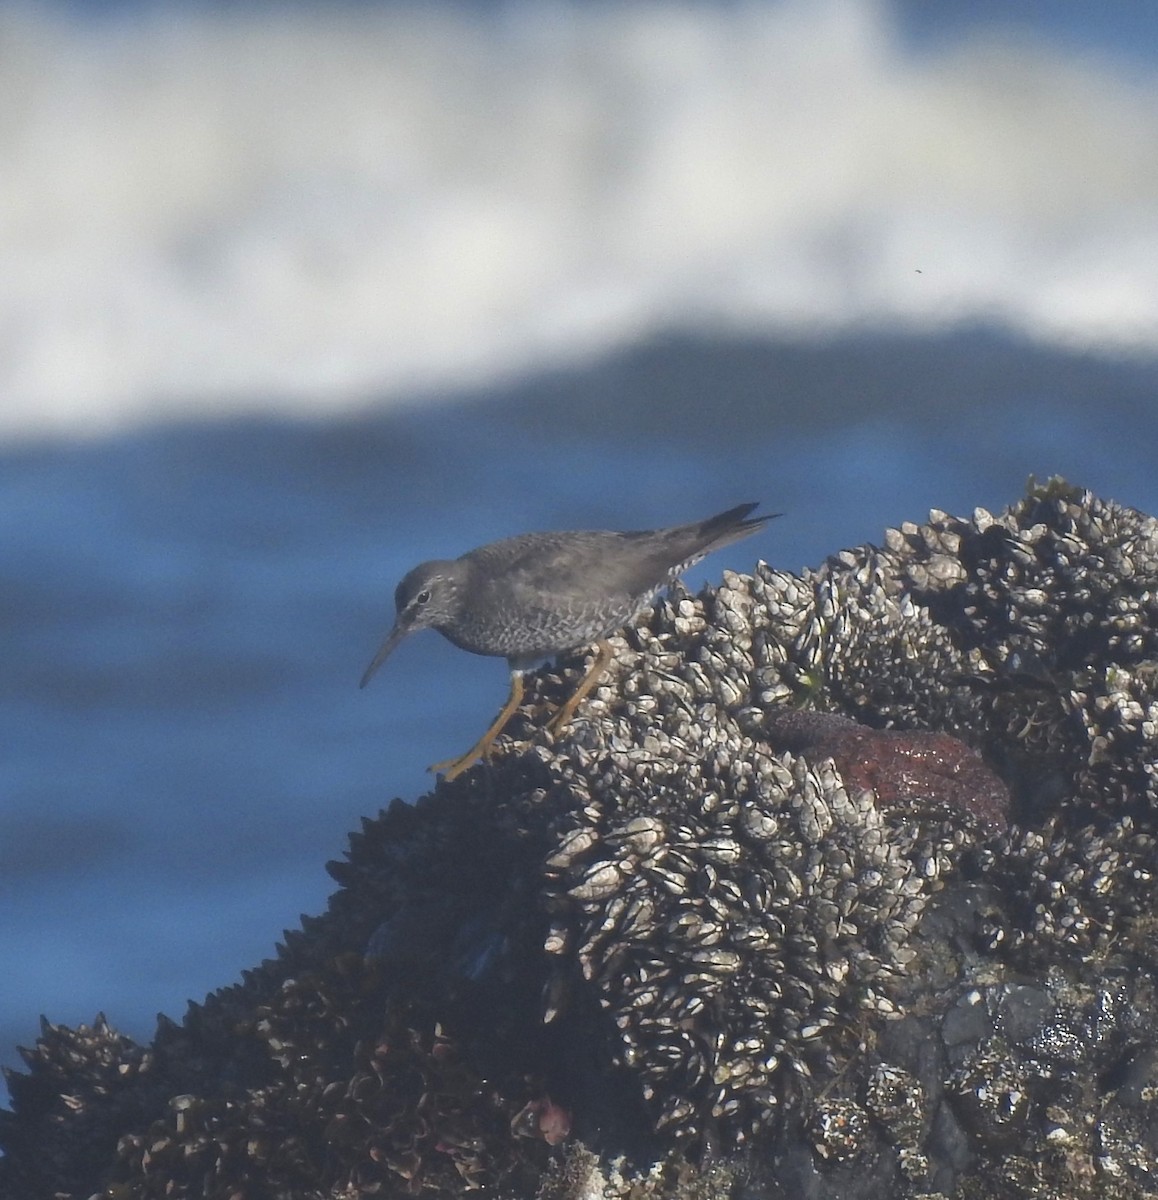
205 211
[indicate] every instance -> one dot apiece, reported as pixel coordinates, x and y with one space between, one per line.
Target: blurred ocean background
293 296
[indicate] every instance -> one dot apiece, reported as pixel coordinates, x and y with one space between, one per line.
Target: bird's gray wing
557 567
553 569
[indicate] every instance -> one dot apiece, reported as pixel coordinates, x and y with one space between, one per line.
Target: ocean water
293 298
316 208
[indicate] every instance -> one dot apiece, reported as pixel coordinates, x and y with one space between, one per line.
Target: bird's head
426 599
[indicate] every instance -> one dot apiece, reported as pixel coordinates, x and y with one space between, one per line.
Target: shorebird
532 597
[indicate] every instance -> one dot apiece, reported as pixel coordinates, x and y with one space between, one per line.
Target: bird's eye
423 596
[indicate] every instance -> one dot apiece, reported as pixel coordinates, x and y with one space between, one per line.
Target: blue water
187 610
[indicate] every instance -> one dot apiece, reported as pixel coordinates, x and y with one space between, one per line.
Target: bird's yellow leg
452 768
603 656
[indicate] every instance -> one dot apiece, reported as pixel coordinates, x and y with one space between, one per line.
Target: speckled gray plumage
540 594
530 597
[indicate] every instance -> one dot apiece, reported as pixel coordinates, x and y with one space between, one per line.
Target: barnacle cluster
736 915
841 884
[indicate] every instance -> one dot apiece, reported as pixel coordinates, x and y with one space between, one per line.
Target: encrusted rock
840 885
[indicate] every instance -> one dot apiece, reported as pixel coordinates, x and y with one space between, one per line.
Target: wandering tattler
531 597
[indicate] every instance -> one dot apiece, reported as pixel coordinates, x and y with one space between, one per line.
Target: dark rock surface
842 885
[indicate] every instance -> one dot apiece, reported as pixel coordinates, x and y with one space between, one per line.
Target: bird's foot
557 723
603 656
452 768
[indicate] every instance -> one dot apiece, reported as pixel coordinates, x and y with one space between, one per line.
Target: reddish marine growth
906 769
543 1118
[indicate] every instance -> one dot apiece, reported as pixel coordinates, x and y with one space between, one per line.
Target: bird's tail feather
728 527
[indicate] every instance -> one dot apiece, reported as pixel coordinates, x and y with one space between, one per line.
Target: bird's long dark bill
384 651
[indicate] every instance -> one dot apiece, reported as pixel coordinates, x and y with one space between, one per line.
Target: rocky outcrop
841 885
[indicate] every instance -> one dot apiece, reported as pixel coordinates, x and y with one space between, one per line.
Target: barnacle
855 869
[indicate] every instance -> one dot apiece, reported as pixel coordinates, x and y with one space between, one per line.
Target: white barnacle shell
575 843
599 880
